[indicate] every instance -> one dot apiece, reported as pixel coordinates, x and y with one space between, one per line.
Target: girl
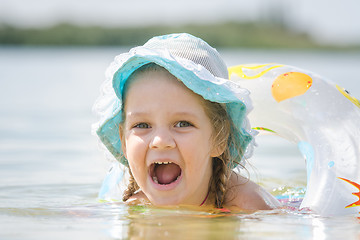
176 121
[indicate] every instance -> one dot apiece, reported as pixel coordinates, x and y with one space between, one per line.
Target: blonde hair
222 136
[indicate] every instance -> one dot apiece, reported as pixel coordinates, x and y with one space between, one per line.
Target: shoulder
246 194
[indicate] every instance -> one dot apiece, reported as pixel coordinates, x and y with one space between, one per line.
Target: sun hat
192 61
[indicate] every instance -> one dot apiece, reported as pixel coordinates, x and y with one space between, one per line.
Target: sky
327 21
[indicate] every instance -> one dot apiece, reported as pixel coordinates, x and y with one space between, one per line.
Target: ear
218 150
122 139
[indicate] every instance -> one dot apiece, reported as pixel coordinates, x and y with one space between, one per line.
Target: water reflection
146 222
181 222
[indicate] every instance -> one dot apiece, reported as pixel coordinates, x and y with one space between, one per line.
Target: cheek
135 148
135 154
136 172
198 152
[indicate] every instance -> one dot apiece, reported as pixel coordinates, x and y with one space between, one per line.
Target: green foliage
252 34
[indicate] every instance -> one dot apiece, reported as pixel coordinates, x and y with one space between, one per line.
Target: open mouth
165 173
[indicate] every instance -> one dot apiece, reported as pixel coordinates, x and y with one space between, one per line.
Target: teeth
163 162
155 180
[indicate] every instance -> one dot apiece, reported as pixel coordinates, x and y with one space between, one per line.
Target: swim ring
323 120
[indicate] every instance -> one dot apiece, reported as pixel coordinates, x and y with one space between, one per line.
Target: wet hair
222 137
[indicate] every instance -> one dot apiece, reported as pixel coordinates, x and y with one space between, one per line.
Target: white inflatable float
322 119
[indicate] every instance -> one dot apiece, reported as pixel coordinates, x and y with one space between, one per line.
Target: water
51 168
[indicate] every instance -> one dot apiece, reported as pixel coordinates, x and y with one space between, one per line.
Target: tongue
167 173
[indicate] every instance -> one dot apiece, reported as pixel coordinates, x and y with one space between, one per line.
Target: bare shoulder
246 194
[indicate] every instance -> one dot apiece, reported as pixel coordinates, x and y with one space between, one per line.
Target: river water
51 167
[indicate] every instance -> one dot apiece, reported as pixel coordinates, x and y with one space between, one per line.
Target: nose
162 139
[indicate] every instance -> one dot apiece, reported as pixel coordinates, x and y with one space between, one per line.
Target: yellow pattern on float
238 70
348 96
289 85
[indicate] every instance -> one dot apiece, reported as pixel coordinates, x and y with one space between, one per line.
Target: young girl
175 120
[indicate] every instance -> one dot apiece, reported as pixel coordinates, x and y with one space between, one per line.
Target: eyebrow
136 114
145 113
186 114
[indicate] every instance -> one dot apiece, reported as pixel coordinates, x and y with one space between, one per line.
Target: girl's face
167 139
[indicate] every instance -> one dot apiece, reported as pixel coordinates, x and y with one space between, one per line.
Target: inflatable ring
322 119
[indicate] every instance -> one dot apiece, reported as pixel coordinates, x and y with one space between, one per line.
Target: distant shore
231 34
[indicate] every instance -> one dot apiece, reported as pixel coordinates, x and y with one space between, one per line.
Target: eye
142 125
182 124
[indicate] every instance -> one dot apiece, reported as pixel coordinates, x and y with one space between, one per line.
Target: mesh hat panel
197 51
